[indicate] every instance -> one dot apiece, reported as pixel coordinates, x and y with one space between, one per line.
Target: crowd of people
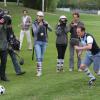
79 40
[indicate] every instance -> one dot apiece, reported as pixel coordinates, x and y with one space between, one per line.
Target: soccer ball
2 90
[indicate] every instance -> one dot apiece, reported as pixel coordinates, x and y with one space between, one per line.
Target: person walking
61 41
73 26
25 28
40 27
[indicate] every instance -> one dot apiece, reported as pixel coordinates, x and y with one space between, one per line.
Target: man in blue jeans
15 63
11 51
40 27
92 55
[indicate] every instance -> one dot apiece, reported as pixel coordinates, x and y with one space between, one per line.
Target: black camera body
15 43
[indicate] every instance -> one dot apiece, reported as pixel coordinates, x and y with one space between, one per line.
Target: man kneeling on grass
92 54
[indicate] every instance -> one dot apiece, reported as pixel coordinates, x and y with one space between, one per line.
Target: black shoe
21 73
91 81
4 79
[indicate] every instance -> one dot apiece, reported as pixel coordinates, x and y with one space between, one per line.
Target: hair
25 10
82 28
76 13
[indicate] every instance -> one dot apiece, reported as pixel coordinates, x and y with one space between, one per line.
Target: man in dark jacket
11 51
3 46
92 49
73 26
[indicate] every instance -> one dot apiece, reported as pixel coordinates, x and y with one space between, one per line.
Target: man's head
76 16
80 31
25 12
40 15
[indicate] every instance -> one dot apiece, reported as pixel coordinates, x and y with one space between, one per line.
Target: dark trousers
61 48
14 61
3 57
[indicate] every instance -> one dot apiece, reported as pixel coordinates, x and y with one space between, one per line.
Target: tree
50 5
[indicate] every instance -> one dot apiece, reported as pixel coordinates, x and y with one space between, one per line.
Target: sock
61 63
39 66
58 64
88 73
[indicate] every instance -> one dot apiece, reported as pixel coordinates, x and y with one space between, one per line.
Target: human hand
41 23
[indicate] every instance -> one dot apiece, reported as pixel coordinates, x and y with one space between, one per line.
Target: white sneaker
98 73
70 69
79 70
57 71
91 81
39 73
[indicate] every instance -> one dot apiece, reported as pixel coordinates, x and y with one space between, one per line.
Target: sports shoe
21 73
4 79
57 70
98 73
79 70
62 70
39 73
91 81
70 69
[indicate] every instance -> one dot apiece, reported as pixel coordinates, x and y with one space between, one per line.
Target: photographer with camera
61 41
73 26
13 44
3 45
40 27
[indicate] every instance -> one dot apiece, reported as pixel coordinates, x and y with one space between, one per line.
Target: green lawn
52 85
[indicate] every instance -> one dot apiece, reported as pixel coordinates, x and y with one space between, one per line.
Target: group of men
39 28
80 40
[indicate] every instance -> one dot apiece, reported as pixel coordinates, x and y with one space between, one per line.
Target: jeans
15 61
89 59
71 59
40 48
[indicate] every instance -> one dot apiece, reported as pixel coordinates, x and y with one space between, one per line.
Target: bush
50 5
9 0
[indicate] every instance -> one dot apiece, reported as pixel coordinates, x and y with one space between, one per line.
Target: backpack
15 43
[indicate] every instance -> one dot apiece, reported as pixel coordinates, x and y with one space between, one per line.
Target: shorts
89 59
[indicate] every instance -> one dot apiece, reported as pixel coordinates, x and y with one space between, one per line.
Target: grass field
52 85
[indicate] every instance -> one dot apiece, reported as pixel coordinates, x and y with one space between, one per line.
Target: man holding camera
73 26
13 44
3 45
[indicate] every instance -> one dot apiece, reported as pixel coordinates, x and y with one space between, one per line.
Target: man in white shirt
25 28
92 55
